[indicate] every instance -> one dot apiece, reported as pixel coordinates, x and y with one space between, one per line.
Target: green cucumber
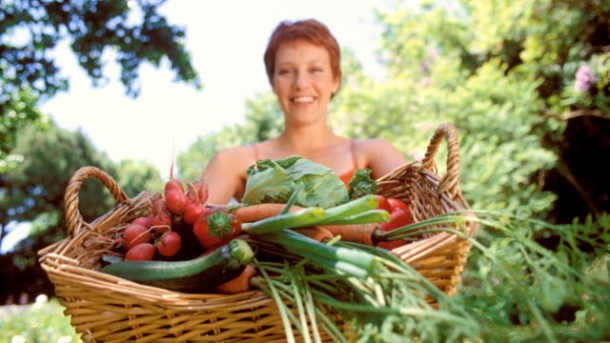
199 275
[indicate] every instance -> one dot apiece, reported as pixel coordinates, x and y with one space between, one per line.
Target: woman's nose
300 80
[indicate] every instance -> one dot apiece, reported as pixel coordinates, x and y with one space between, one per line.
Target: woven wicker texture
104 308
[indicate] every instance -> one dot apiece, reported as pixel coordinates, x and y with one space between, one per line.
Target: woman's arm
226 174
382 157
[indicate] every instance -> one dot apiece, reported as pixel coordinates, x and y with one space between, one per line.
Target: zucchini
199 275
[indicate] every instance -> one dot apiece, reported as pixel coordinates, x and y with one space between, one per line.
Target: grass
40 322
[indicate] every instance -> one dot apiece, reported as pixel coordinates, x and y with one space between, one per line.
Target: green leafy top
274 181
362 184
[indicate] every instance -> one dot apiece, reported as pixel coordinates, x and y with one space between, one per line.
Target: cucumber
199 275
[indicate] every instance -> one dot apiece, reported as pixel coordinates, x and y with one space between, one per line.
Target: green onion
370 216
351 261
351 208
305 217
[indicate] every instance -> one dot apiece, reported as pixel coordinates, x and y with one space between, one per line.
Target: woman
303 66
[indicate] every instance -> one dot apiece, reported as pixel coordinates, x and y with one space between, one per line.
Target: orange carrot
240 284
369 234
253 213
318 233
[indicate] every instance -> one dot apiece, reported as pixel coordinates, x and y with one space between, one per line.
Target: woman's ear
336 85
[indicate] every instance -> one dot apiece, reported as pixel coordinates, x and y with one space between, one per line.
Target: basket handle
74 219
450 182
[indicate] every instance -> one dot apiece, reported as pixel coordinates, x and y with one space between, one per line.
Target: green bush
40 322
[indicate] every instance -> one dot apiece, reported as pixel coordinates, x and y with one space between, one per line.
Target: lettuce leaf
361 184
274 181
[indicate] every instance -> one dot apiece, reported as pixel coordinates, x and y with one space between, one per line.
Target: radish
135 234
162 222
174 184
176 201
158 206
169 244
144 221
141 252
193 212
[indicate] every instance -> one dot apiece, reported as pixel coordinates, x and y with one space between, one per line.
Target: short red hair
311 31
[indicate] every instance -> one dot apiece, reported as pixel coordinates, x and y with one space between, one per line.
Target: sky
226 39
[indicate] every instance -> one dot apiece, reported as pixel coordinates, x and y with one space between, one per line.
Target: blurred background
135 87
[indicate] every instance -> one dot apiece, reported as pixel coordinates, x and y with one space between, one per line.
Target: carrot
318 233
240 284
253 213
369 234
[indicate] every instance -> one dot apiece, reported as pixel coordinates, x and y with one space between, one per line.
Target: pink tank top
345 177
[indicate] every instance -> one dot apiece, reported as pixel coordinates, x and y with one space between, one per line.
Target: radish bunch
161 230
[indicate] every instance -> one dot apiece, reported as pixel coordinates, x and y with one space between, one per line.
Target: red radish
158 206
141 252
169 243
174 184
135 234
162 222
176 201
197 193
193 212
144 221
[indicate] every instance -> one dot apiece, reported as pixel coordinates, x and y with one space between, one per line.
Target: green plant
40 322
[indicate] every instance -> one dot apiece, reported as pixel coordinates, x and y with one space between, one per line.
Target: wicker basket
105 308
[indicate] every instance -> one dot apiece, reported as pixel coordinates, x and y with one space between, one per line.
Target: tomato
216 227
169 244
141 252
383 204
135 234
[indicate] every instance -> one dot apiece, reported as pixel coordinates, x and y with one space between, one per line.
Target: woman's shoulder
379 155
234 156
236 152
373 145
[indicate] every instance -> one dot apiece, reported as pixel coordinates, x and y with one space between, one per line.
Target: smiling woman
227 43
303 67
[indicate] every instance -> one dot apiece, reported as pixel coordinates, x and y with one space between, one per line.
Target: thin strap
256 155
354 159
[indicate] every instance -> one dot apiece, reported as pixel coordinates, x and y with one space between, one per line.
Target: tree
134 30
33 193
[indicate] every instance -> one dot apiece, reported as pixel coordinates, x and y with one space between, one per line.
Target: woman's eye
284 72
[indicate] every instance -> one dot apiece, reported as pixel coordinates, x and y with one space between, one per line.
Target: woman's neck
307 140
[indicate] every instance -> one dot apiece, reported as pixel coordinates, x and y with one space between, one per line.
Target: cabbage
274 181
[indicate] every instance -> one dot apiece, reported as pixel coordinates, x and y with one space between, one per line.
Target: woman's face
303 81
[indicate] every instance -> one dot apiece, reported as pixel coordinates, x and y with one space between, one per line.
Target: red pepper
217 227
397 203
383 203
399 216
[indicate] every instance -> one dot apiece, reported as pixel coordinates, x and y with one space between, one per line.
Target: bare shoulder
234 156
379 155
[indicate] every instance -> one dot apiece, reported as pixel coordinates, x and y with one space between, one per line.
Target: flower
584 78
